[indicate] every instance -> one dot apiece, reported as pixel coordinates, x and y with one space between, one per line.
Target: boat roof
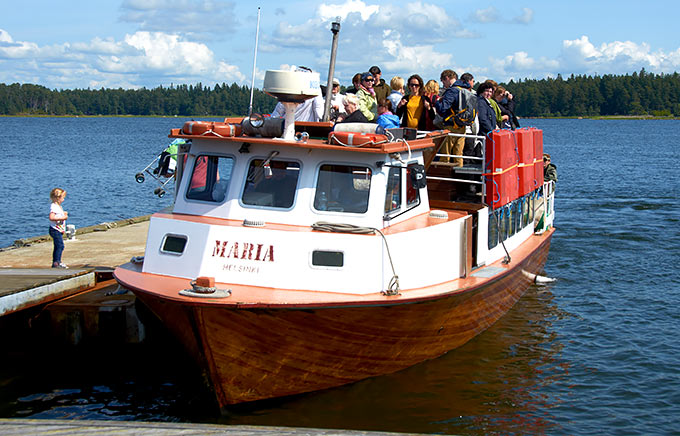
318 139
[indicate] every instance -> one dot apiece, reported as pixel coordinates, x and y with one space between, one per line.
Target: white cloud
615 57
488 15
580 56
205 17
401 38
140 59
492 15
329 12
526 17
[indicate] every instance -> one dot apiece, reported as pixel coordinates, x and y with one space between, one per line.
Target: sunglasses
417 85
368 80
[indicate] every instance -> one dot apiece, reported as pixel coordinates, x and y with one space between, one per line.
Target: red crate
527 177
525 145
501 151
538 157
501 187
538 142
502 174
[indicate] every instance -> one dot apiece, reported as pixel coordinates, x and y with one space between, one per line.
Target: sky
131 44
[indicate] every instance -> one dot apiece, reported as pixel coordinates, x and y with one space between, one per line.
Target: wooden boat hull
258 353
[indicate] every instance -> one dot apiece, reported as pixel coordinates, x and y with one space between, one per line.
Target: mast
252 84
335 28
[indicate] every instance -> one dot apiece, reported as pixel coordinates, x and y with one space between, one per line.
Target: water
596 352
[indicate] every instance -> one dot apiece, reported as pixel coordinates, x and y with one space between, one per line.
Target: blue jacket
450 99
486 115
388 120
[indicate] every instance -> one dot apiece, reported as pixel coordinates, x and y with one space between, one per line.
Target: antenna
335 28
252 84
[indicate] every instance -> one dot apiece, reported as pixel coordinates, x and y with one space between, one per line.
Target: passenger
493 103
386 118
352 112
507 105
57 218
485 112
337 106
397 86
451 101
310 110
448 77
432 92
382 89
414 108
368 105
356 83
549 169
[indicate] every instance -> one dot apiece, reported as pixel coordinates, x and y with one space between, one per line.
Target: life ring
202 128
195 127
226 129
353 139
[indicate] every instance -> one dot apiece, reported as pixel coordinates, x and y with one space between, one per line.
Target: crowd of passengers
415 104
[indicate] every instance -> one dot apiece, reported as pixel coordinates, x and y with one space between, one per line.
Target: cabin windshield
210 178
342 188
271 184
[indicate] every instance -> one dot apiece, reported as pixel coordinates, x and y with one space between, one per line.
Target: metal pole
252 84
335 28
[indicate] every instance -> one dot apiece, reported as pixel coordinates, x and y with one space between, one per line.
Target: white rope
324 226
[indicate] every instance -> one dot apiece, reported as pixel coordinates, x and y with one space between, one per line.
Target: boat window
393 197
328 258
271 184
494 225
174 244
210 178
342 188
412 191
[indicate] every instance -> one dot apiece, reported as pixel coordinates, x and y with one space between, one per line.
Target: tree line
636 94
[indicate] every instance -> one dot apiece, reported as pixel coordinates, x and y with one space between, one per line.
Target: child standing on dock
57 225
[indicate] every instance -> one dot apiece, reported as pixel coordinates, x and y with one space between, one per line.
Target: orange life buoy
226 129
353 139
195 127
211 128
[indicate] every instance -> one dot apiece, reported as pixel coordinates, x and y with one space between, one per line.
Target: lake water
596 352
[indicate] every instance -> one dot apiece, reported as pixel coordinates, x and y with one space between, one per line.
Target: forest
636 94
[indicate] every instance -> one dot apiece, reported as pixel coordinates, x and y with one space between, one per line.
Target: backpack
467 109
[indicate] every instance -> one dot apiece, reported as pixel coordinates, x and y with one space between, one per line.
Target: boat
292 261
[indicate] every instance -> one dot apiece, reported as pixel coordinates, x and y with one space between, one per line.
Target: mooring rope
324 226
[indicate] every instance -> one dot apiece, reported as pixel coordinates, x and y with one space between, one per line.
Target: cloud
488 15
580 56
526 17
492 15
390 35
615 57
140 59
205 17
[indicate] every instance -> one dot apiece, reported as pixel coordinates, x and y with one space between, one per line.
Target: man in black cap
382 89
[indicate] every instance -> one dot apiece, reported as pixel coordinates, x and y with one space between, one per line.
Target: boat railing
472 171
549 202
545 209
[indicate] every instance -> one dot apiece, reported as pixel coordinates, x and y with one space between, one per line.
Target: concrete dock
81 300
103 245
52 427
